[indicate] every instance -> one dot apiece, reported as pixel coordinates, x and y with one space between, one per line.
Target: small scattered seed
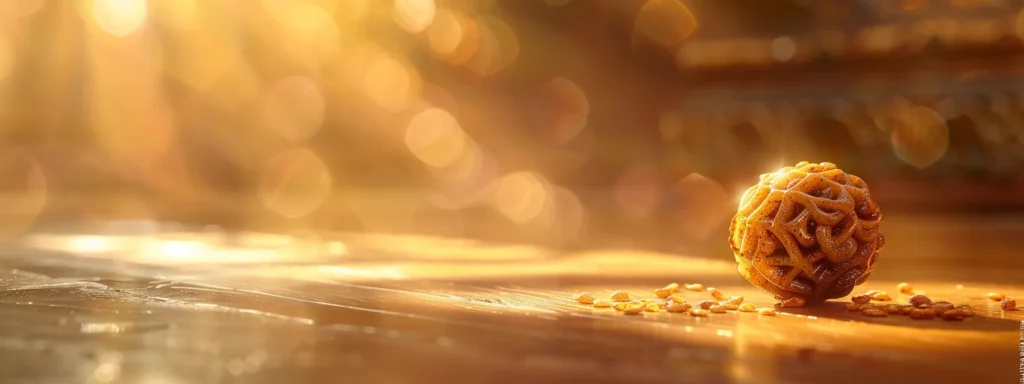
861 299
918 300
941 307
747 307
922 314
584 298
996 296
892 309
675 307
622 306
881 296
663 292
792 302
602 303
953 315
633 310
731 306
705 304
695 287
854 307
905 288
874 312
966 309
652 308
766 311
872 292
906 309
674 287
676 299
633 307
716 293
619 296
1008 304
735 300
717 309
697 312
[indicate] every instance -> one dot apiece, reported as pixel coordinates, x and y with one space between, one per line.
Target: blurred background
564 123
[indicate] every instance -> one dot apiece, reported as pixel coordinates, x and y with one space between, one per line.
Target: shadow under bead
809 231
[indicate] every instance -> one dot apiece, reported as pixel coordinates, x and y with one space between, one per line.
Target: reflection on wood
193 307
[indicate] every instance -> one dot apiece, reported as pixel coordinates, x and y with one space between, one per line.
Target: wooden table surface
212 307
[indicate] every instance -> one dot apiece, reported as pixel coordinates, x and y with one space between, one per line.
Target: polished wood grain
259 308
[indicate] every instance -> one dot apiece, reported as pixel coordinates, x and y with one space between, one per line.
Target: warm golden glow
880 38
295 183
521 196
87 244
1020 24
20 8
670 125
434 137
666 22
703 205
390 83
179 250
481 118
311 35
783 48
488 51
414 15
23 194
178 14
445 33
638 192
505 47
920 136
570 218
119 17
565 109
139 129
294 108
6 57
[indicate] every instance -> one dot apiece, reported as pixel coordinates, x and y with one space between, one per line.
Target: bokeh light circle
435 138
23 191
521 196
919 136
295 183
119 17
414 15
294 108
562 110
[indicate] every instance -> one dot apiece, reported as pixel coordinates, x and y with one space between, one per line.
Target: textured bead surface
808 231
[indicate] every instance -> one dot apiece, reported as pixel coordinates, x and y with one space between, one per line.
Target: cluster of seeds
623 302
918 307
